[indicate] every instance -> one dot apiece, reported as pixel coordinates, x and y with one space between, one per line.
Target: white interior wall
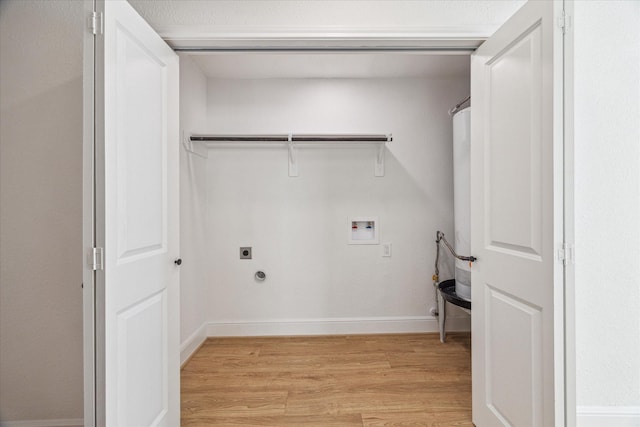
316 283
193 295
607 205
41 211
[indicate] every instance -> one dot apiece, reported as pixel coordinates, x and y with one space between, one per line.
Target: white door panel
513 368
513 208
137 186
512 134
140 146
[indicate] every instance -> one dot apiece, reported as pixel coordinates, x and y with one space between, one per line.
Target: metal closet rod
294 138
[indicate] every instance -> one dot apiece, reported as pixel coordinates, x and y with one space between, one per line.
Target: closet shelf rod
239 138
294 138
292 142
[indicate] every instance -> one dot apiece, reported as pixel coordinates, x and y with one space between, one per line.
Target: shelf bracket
293 157
197 149
379 160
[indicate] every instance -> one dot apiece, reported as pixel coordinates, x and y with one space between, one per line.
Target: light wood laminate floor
357 380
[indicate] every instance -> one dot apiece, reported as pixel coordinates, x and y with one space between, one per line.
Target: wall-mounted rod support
459 105
379 161
293 159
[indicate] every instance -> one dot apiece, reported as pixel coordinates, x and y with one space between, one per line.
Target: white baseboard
608 416
191 344
334 326
331 326
68 422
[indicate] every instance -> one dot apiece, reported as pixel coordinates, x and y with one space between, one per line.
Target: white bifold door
516 211
136 175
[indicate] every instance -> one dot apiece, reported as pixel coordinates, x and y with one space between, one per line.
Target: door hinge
565 254
96 259
564 22
95 23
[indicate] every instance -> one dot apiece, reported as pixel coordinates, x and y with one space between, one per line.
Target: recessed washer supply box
363 230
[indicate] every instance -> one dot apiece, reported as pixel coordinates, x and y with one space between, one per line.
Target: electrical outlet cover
245 252
386 249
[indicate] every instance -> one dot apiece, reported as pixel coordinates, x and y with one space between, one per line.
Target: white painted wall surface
41 211
298 226
193 236
607 206
187 16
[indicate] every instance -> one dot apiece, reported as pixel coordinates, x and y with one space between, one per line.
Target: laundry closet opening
335 247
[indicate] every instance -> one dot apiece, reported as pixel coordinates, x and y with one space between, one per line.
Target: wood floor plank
346 420
380 400
411 419
275 381
303 363
240 403
363 380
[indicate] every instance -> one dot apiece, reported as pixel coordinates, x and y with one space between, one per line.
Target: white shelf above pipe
200 144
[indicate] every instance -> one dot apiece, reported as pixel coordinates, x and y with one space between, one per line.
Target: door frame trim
88 218
569 318
424 41
264 38
93 221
